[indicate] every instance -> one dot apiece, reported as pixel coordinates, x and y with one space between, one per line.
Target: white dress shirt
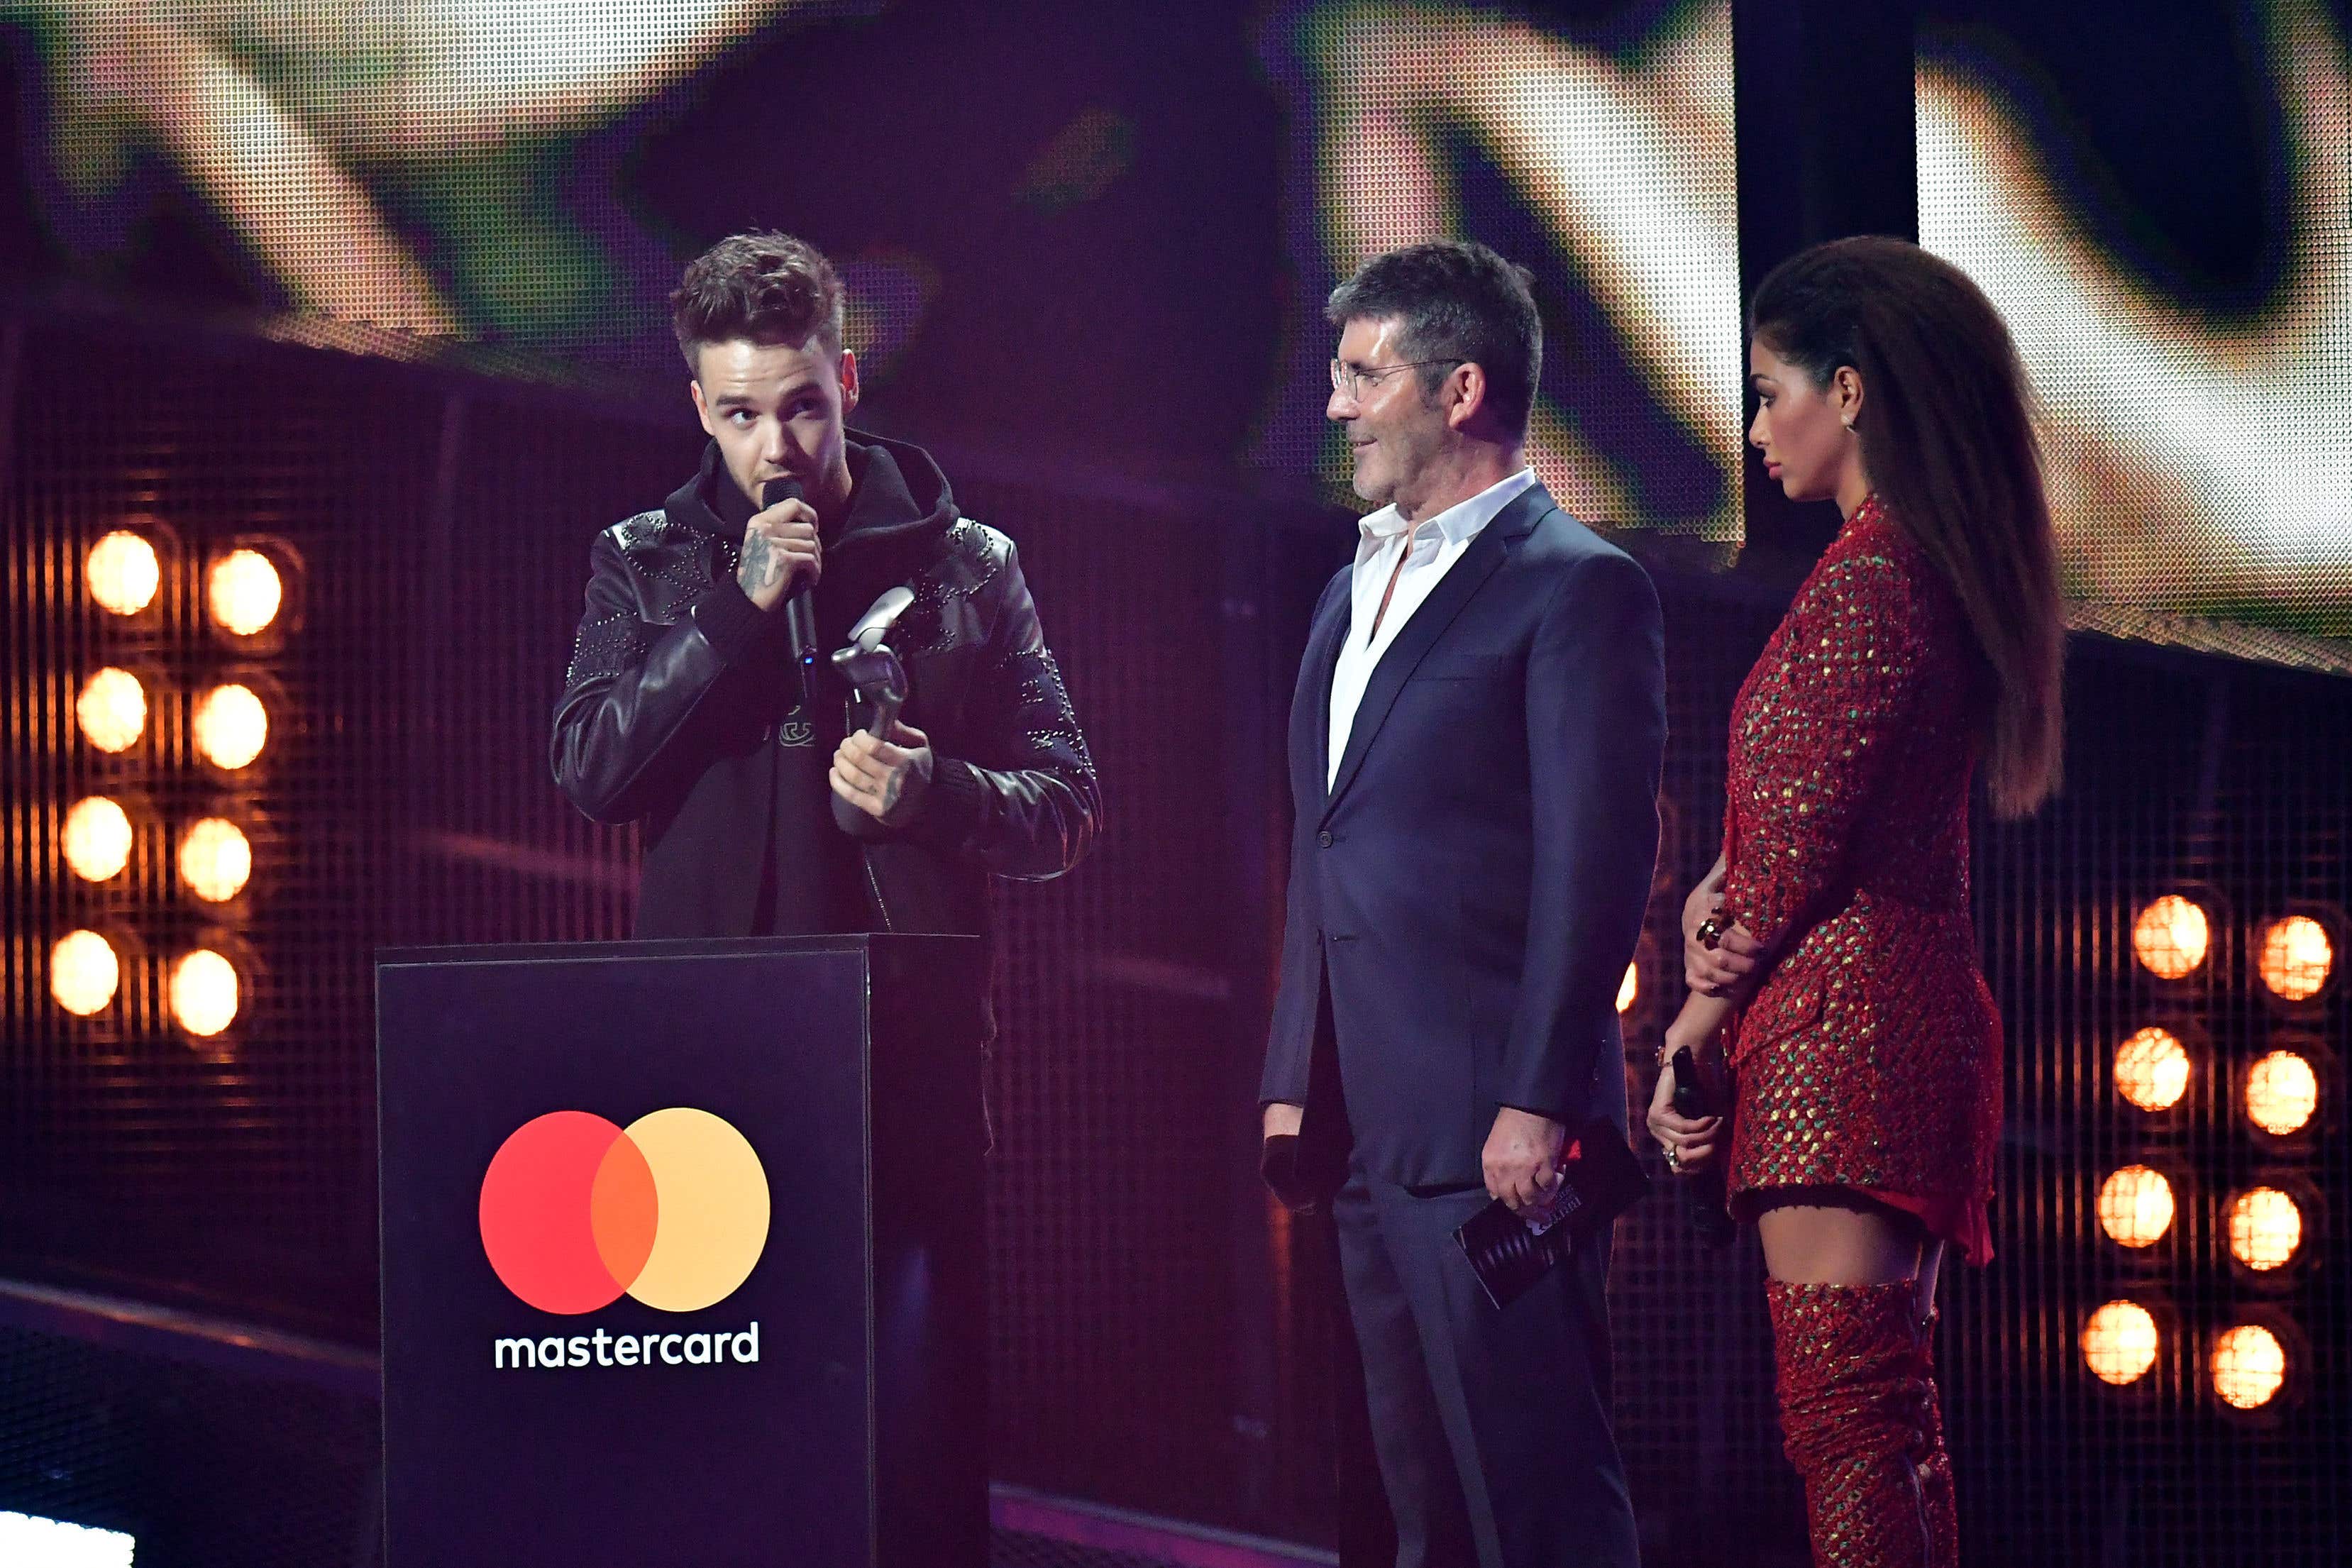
1430 549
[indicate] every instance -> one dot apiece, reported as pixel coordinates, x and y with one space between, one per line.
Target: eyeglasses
1349 380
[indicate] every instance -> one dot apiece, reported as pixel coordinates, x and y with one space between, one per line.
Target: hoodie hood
900 513
899 503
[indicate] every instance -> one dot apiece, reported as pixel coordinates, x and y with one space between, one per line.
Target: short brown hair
764 287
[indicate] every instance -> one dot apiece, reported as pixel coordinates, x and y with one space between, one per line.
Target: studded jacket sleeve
1020 798
634 685
1815 731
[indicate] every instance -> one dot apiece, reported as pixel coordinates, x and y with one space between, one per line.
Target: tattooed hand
780 550
885 779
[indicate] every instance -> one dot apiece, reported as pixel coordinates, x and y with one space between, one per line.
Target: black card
1600 1179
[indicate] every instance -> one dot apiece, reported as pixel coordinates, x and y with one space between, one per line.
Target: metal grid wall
1112 1082
2223 785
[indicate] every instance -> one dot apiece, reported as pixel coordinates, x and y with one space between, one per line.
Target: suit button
1323 839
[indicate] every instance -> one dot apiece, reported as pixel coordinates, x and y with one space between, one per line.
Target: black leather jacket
670 708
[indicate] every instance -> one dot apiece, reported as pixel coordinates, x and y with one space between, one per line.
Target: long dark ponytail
1950 444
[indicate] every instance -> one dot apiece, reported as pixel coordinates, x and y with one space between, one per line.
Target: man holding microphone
696 708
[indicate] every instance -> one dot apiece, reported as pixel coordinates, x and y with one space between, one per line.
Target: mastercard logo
671 1210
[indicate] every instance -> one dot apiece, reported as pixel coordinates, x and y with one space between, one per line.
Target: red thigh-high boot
1859 1422
1934 1464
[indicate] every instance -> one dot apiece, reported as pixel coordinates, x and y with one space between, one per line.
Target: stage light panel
203 993
2282 1093
2136 1206
123 572
84 973
96 839
2296 957
2152 1070
112 710
244 591
215 859
2171 937
2265 1228
2248 1366
231 726
2119 1342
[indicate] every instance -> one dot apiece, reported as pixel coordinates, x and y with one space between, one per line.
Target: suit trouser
1492 1426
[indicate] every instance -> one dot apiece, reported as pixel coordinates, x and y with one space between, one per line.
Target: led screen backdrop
1103 232
1015 196
2167 222
1595 149
412 167
1036 209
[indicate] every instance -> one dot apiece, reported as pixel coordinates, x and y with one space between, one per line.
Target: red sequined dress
1870 1058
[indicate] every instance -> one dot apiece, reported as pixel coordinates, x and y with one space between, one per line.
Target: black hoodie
812 881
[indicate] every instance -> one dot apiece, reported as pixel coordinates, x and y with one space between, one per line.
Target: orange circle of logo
671 1210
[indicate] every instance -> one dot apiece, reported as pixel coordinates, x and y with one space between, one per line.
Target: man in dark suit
1475 751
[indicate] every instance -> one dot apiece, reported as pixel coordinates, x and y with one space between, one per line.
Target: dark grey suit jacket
1465 899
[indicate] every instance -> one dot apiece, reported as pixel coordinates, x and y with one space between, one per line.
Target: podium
682 1254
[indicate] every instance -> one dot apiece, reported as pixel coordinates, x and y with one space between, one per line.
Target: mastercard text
604 1349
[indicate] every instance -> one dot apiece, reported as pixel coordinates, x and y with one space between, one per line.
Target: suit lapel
1429 622
1321 666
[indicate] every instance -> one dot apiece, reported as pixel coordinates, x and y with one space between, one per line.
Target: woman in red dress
1832 941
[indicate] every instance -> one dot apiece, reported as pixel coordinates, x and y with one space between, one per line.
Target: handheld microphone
800 612
1710 1215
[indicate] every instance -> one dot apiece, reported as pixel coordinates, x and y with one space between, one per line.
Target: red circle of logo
573 1208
